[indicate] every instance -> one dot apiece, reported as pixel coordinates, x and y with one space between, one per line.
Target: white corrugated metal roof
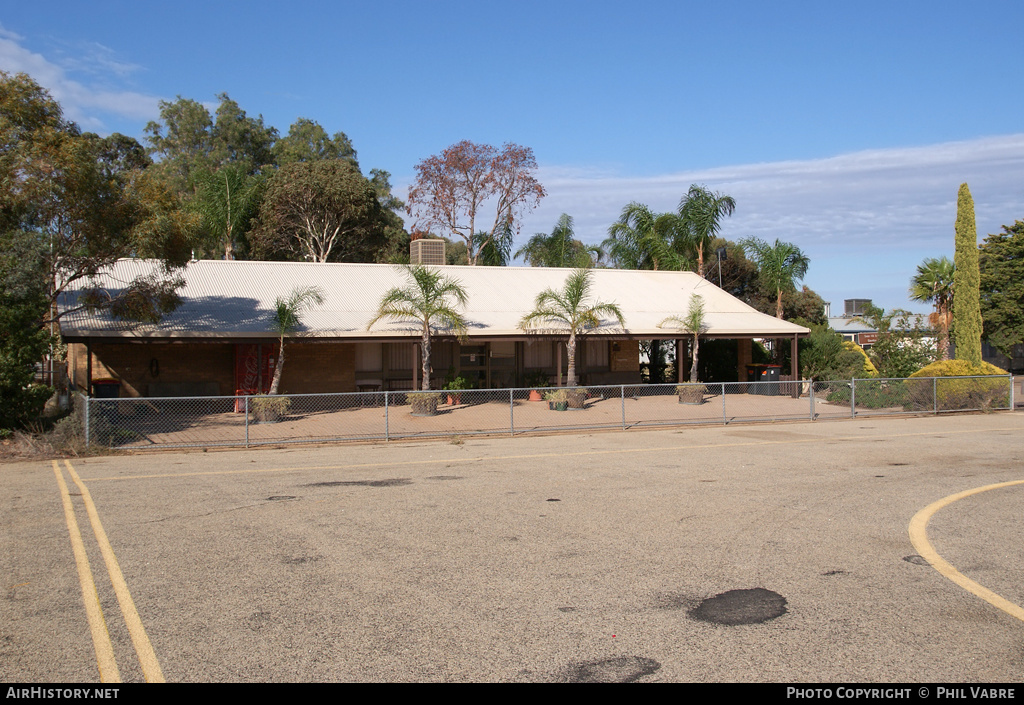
235 299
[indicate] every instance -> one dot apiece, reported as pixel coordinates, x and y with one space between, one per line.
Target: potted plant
691 393
576 397
536 381
424 403
270 409
455 387
557 400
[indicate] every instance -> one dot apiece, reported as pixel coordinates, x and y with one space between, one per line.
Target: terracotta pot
535 395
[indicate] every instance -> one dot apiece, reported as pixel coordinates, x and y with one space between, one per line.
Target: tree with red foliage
454 187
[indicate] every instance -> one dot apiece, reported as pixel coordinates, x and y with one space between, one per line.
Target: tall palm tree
933 283
694 324
559 249
431 299
227 200
778 265
287 319
570 309
701 211
643 239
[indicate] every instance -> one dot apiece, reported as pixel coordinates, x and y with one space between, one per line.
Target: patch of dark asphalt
299 560
445 477
834 572
916 559
552 500
737 607
621 669
394 482
898 464
566 609
278 497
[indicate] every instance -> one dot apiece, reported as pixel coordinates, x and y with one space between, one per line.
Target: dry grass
43 440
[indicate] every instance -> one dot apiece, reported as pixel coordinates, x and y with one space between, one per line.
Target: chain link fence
361 416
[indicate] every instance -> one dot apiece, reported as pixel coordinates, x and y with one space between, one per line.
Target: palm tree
778 265
933 283
494 251
701 212
642 239
227 200
693 323
569 308
430 299
559 249
287 319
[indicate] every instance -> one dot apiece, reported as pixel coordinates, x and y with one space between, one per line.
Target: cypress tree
966 280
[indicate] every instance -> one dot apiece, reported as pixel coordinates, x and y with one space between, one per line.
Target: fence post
853 398
511 415
811 395
724 417
246 420
1012 407
935 395
387 429
86 397
622 394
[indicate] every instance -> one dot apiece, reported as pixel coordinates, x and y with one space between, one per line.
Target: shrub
270 409
966 389
864 368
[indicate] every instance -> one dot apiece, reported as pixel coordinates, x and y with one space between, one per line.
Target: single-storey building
221 339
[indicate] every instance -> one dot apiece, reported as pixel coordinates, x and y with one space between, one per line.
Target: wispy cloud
904 195
89 103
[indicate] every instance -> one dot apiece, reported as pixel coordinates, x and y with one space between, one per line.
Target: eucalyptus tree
933 283
319 211
779 265
307 141
701 212
430 298
569 309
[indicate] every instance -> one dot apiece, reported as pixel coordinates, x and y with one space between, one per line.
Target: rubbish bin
764 378
754 375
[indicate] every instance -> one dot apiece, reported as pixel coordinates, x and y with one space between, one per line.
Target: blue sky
846 130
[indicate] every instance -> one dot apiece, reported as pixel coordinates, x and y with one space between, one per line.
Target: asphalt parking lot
757 553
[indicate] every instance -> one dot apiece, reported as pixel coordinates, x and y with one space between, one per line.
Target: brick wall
193 369
317 368
134 364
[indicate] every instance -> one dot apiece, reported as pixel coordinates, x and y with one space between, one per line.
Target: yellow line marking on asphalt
533 456
93 611
147 657
919 537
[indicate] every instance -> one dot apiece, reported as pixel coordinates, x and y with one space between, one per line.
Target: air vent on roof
424 251
856 307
